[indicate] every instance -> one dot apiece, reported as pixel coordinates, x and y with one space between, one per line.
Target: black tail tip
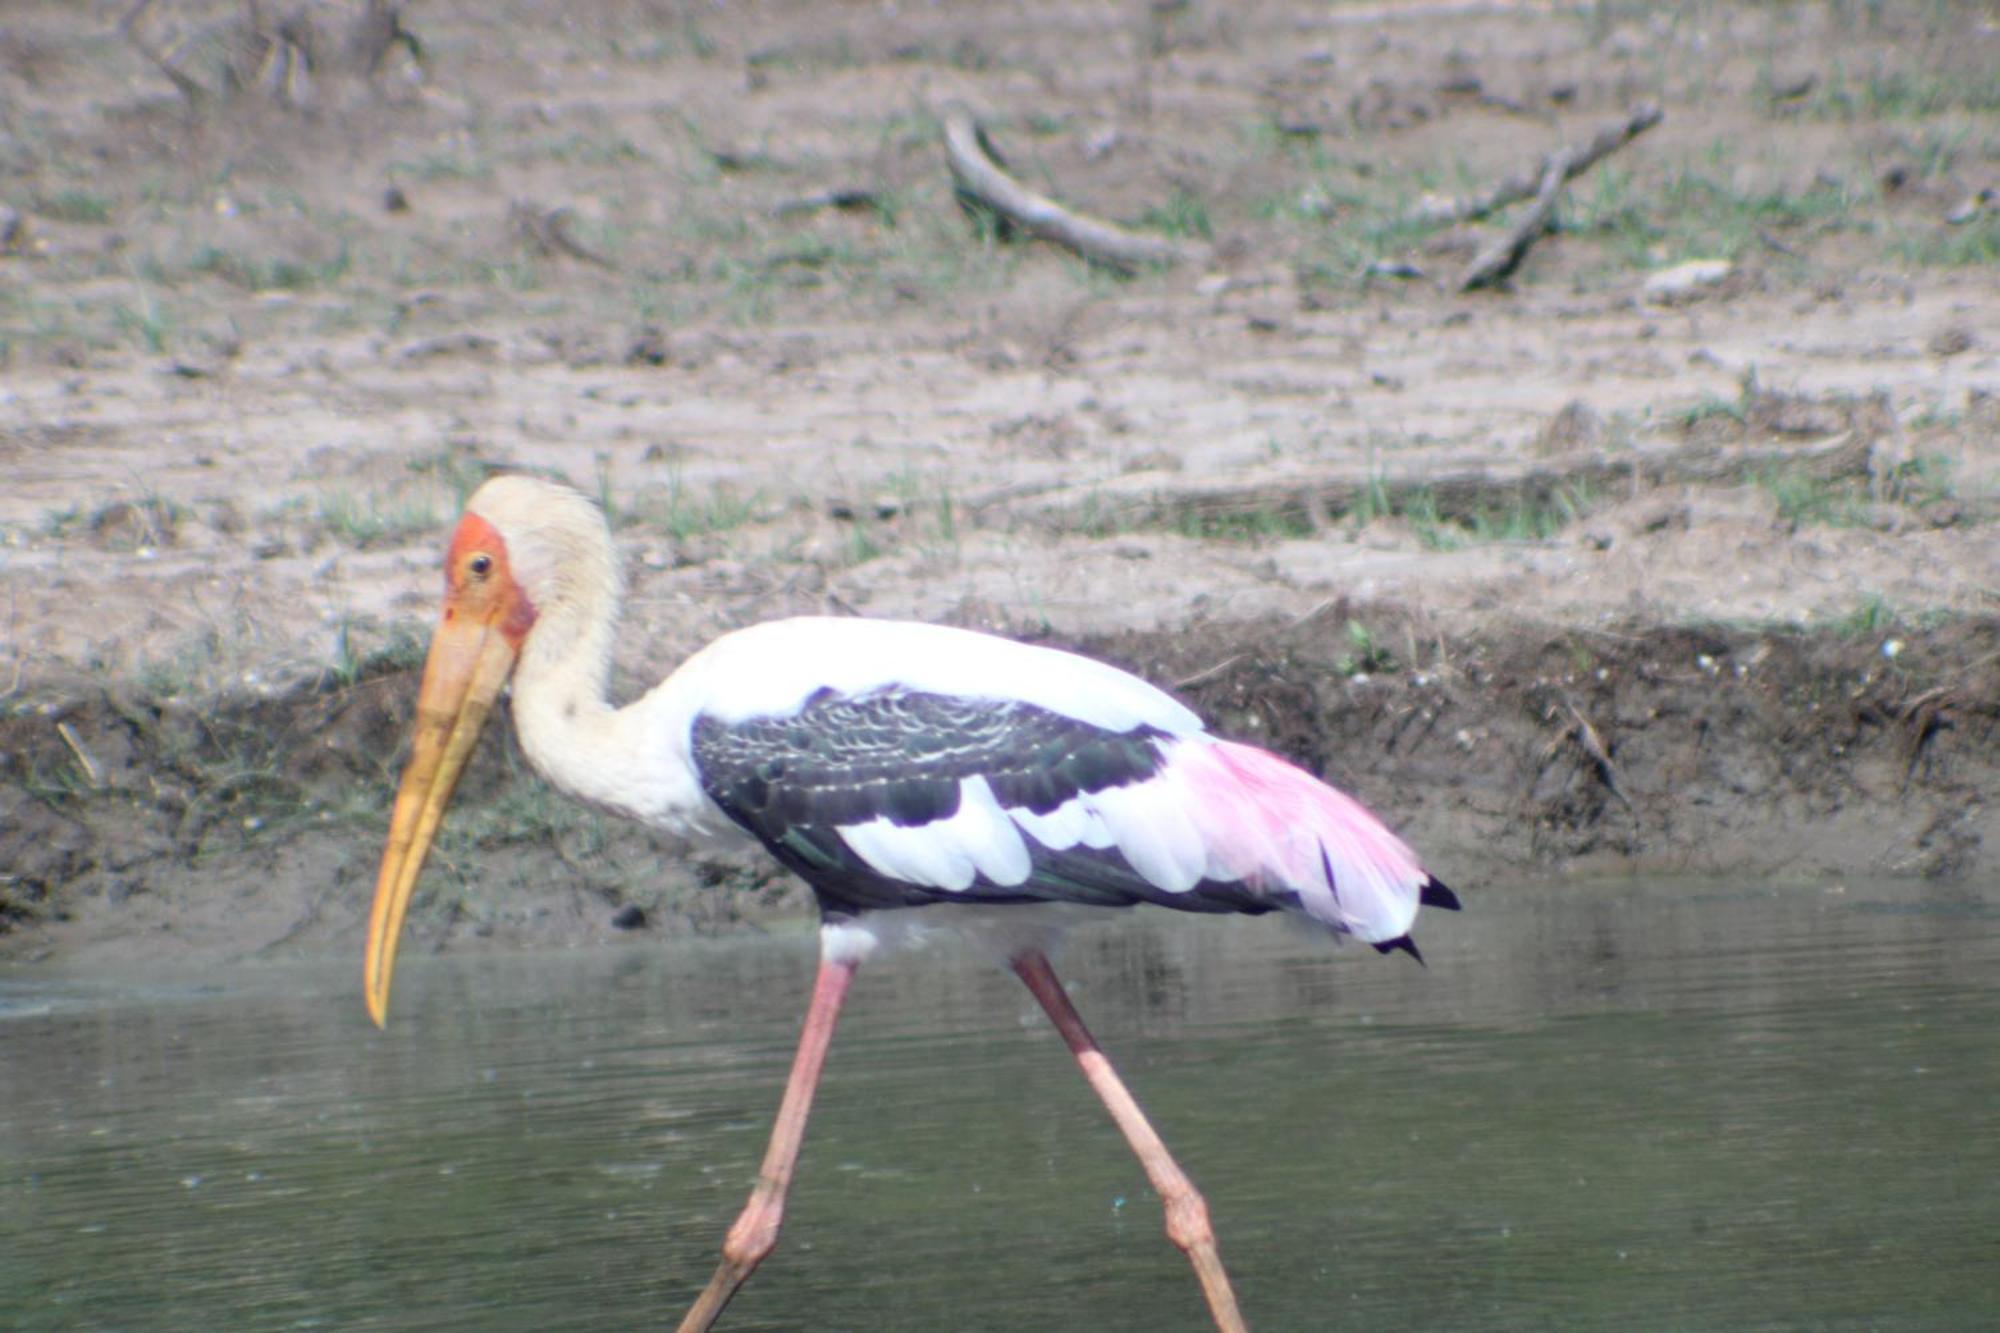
1403 943
1435 894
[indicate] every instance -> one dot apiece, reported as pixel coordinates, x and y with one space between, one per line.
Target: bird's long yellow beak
470 659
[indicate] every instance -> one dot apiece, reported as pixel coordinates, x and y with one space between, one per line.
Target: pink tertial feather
1274 826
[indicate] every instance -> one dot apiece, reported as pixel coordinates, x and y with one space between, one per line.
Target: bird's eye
481 565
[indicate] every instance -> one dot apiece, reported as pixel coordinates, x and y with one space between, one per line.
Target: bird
915 776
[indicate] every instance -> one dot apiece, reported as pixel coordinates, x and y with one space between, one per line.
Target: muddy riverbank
135 828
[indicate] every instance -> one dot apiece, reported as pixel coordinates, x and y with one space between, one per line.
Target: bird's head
521 550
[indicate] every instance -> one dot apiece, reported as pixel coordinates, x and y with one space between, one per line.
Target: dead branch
1501 257
1527 184
983 181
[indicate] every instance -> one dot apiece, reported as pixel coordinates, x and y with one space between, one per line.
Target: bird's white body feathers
644 767
1212 812
770 670
1195 820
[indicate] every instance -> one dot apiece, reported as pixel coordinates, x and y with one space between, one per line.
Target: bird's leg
1187 1211
755 1233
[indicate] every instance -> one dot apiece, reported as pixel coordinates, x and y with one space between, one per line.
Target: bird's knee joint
754 1235
1187 1221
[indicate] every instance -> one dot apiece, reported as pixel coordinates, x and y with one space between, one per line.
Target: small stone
1973 205
1791 87
648 348
1394 268
1578 427
1950 342
1685 281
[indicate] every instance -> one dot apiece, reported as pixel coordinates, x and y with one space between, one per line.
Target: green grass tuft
377 521
74 206
1974 244
1804 500
1239 526
1365 655
1873 616
682 511
1185 214
262 275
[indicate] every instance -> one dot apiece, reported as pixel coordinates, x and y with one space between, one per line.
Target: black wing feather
1435 893
793 781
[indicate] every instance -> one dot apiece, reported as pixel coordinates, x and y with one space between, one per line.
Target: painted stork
906 772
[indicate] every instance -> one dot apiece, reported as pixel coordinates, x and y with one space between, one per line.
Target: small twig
1927 714
128 28
1593 745
847 200
730 159
1312 613
1779 246
1208 673
546 231
981 179
93 773
1930 696
1020 490
1527 184
1500 258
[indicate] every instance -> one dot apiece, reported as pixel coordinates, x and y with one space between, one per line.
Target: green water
1651 1106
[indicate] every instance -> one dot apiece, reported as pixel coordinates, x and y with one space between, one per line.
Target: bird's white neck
571 732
